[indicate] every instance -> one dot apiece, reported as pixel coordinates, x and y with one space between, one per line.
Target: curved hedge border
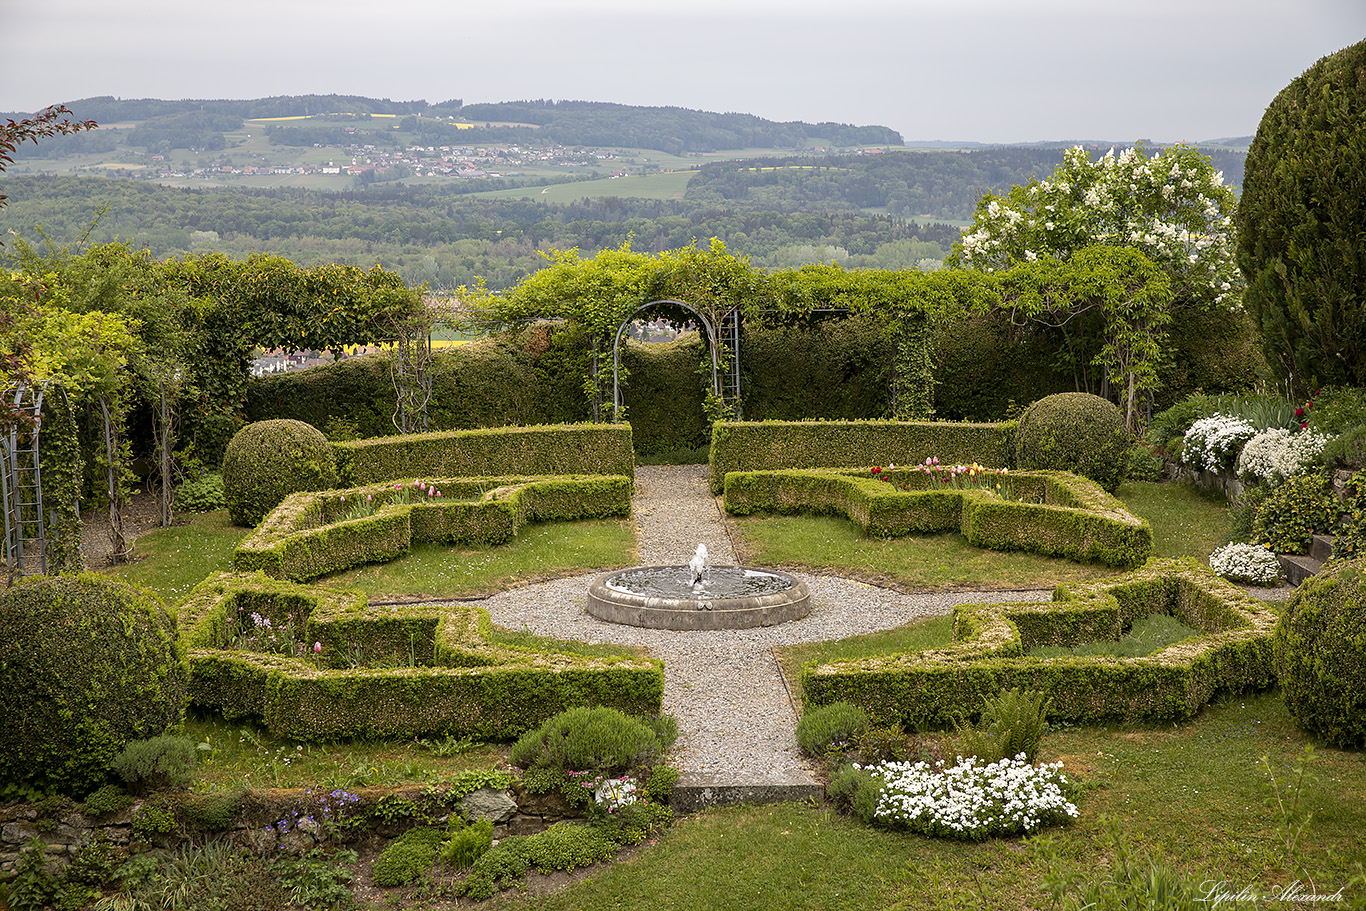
769 445
550 449
308 536
1073 517
931 688
466 685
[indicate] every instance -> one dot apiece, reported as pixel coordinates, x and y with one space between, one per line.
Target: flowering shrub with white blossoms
1172 206
1251 564
1273 456
1213 443
972 800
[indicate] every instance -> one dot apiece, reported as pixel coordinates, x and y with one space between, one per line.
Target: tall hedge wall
540 450
770 445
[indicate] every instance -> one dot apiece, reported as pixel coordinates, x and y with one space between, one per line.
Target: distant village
415 160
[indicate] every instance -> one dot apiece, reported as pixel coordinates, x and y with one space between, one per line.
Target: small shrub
888 743
659 787
855 790
1347 449
1320 650
87 664
107 800
1246 563
159 762
1293 513
589 739
1076 432
1350 542
831 728
1335 409
204 494
406 858
567 846
499 867
152 819
1172 423
1144 465
465 844
269 460
211 812
1013 722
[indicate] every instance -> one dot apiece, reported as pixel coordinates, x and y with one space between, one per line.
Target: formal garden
1130 387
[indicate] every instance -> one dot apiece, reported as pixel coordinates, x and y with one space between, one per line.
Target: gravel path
734 713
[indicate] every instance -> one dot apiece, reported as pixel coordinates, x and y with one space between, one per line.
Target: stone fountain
698 596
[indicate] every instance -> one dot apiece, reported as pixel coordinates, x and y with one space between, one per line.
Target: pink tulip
317 648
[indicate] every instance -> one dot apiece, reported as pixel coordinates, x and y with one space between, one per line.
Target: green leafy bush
269 460
1013 722
465 844
1350 542
830 728
1076 432
87 664
1144 465
107 799
589 739
856 791
1334 409
1320 651
1347 449
406 858
203 494
1293 512
159 762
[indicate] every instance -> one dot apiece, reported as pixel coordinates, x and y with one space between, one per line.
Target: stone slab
696 791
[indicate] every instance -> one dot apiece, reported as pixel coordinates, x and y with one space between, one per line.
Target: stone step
1322 548
1296 569
696 791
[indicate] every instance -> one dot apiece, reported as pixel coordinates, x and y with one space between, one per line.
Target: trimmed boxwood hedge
452 680
553 449
768 445
1064 515
932 688
309 534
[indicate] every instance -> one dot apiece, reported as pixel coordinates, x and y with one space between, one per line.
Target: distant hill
673 130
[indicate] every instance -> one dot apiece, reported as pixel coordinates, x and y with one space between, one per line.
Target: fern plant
1013 722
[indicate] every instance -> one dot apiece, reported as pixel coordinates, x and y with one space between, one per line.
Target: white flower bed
1273 456
1251 564
972 800
1213 443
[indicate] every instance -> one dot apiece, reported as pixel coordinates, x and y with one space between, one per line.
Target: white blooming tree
1172 206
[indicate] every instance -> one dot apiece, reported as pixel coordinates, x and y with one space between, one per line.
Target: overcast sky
986 70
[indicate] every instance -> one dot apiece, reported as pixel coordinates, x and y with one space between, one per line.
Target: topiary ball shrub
87 664
1320 650
269 460
1076 432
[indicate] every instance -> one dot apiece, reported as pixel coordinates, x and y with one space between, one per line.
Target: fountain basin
732 597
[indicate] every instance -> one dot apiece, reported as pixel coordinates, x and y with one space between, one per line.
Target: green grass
539 552
1193 797
1148 636
171 561
1185 522
246 756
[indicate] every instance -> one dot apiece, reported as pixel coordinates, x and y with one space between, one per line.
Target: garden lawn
171 561
1193 797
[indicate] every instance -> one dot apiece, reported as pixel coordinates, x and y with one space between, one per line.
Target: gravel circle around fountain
736 718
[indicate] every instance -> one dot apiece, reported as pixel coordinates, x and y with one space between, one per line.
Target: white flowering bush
1275 455
1213 443
972 800
1172 206
1251 564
